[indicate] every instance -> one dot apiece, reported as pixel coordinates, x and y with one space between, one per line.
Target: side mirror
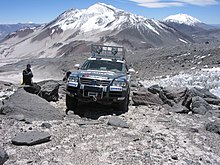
132 71
76 66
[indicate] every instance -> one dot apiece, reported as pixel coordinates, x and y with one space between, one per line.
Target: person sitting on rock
27 75
66 76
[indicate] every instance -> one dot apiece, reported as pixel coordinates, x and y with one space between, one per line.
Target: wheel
71 103
123 105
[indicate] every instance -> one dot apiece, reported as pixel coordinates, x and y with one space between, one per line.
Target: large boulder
200 106
144 97
31 106
49 90
175 93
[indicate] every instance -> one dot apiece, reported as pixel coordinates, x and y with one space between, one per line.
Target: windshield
104 65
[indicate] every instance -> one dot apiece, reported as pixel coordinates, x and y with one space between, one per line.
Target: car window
103 65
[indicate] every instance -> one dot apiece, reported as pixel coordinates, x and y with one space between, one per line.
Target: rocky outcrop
178 99
31 106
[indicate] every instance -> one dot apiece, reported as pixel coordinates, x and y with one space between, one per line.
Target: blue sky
44 11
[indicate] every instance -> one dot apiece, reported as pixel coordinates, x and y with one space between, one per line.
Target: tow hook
94 98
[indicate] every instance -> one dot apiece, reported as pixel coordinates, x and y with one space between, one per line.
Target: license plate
92 94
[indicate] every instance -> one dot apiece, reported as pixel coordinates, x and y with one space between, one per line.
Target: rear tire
71 104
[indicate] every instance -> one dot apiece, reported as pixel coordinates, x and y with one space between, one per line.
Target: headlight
119 83
73 79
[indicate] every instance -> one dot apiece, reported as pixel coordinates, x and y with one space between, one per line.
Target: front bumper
101 94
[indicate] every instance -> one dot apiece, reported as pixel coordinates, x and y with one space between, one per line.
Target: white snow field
205 78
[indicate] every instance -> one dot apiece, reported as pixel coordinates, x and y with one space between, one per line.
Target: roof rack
112 52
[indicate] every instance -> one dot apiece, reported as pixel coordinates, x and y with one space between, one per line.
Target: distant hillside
6 29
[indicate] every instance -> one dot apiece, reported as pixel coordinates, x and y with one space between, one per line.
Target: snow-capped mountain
183 19
199 31
74 30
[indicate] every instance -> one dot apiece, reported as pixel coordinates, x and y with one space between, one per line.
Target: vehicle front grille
87 81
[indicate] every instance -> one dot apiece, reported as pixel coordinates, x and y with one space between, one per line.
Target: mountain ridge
100 23
6 29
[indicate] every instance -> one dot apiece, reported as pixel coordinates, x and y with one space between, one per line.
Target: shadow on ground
95 110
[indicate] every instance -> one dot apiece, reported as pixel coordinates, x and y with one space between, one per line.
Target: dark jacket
27 76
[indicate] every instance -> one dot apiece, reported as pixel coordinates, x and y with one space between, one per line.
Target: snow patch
208 78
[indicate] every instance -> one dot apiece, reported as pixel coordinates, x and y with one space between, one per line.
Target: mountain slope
74 30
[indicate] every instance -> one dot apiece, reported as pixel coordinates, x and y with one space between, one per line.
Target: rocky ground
146 134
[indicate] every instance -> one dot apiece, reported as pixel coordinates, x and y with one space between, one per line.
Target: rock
134 84
194 130
49 90
165 99
31 138
34 89
146 98
1 104
146 129
117 122
174 157
3 156
202 92
154 89
90 122
213 126
178 108
187 99
31 106
212 101
215 113
200 106
46 125
18 117
175 93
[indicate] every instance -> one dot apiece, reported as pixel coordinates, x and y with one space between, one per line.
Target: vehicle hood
97 74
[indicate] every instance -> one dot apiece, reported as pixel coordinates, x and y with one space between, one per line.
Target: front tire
71 104
123 105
